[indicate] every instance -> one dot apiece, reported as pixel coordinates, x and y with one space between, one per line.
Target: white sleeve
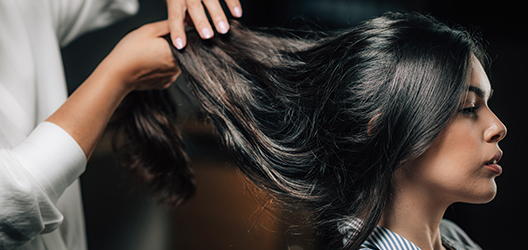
72 18
33 176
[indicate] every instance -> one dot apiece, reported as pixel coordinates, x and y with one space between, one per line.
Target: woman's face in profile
461 165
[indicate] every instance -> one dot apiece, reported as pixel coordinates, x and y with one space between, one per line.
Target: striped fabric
384 239
453 237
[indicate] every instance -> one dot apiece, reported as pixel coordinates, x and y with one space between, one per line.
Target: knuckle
177 12
147 27
194 5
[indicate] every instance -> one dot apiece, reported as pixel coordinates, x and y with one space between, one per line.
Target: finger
176 17
235 7
197 13
217 15
159 28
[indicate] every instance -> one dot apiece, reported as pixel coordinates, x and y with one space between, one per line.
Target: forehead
479 79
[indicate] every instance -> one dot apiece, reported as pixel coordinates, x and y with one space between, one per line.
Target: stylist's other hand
142 60
195 9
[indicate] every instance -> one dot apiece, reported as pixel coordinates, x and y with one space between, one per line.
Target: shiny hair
323 120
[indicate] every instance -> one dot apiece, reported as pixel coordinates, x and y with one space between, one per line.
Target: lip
493 165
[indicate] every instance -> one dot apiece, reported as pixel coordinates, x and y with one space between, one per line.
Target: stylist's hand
142 59
177 15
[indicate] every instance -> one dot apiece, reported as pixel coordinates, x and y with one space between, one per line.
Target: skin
179 9
142 60
453 169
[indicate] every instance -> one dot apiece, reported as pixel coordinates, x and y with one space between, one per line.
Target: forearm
142 60
88 110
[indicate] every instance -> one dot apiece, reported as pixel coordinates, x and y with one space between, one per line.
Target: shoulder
455 237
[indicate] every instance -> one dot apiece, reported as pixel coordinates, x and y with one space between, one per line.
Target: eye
470 110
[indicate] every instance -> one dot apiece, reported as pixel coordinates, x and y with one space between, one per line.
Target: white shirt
39 167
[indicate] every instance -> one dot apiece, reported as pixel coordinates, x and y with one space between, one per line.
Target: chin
484 195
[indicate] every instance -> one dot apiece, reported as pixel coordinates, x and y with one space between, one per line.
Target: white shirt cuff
52 157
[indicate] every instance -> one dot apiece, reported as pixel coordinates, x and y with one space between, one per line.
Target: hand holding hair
178 10
141 60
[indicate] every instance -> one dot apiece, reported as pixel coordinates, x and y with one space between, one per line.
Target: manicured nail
237 12
178 43
206 33
222 27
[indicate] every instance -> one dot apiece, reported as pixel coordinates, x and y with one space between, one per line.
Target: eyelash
470 110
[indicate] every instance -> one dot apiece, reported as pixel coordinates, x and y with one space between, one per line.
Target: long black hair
323 121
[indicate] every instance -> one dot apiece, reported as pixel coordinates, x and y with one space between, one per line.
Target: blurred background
227 211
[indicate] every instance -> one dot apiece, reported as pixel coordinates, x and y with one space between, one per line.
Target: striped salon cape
453 237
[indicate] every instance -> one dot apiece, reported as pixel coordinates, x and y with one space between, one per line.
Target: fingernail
237 11
206 33
222 27
178 43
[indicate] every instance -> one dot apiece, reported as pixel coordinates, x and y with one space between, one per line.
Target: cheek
453 153
452 168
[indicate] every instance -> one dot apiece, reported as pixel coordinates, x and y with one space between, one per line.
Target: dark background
117 215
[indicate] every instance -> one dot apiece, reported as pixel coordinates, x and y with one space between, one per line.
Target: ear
371 128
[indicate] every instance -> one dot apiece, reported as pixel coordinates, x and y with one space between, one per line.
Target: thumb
158 29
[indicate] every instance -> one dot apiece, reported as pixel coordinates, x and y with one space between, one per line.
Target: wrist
87 111
112 79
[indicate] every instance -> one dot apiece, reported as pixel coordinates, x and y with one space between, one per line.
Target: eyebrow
479 92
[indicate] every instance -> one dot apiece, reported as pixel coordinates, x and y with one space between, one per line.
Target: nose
496 130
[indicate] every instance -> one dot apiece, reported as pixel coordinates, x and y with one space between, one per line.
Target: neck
415 215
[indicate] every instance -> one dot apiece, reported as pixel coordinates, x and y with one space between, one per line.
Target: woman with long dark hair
375 130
